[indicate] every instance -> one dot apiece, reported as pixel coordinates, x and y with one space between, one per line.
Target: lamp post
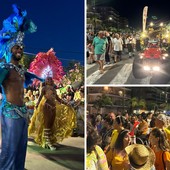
122 94
94 8
151 24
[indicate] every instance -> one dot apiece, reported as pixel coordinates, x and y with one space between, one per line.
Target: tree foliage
138 103
102 101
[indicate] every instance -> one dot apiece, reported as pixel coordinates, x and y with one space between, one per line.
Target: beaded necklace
8 66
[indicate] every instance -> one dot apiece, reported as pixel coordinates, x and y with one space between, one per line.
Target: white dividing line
88 66
122 75
95 76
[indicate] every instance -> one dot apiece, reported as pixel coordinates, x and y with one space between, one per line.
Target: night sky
60 24
133 10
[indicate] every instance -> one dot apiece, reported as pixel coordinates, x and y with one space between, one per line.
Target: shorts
118 53
99 57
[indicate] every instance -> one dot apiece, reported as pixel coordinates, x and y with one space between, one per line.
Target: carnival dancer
52 120
13 112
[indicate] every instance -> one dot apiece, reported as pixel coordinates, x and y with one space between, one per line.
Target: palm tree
95 21
137 103
102 101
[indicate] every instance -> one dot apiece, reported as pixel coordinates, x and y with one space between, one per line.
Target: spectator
95 158
142 131
140 157
161 123
161 147
117 157
119 124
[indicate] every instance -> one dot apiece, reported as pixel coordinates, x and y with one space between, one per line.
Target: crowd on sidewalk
125 142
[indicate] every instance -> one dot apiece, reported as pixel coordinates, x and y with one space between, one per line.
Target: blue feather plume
13 26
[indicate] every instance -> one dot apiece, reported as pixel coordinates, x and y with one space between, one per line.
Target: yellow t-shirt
167 131
116 161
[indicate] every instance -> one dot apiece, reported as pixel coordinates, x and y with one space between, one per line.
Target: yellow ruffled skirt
65 122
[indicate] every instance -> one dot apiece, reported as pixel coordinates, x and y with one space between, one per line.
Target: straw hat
140 156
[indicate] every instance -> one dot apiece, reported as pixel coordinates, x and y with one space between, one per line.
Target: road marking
121 78
122 75
96 75
88 66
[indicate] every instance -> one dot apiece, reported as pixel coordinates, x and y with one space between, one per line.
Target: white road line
122 75
95 76
88 66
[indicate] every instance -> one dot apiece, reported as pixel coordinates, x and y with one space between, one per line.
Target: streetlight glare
161 24
110 18
151 24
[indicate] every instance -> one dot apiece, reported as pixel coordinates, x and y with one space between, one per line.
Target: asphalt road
115 73
68 156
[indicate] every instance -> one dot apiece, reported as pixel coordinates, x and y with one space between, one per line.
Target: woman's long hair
119 142
163 143
93 138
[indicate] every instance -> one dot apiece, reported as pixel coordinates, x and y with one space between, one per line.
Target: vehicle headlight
147 68
165 55
141 55
156 68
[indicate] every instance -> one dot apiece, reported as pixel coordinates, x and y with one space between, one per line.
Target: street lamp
110 18
151 24
161 24
94 8
122 94
106 88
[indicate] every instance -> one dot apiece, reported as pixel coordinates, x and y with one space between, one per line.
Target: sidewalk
68 156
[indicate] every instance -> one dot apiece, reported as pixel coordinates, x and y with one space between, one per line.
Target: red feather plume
47 64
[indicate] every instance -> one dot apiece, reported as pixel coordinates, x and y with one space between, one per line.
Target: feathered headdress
47 65
12 33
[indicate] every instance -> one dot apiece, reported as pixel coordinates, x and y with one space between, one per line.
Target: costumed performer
13 112
52 121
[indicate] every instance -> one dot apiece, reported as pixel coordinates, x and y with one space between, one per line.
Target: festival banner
145 11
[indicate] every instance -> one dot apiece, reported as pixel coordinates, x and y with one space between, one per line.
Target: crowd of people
125 142
53 111
108 47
